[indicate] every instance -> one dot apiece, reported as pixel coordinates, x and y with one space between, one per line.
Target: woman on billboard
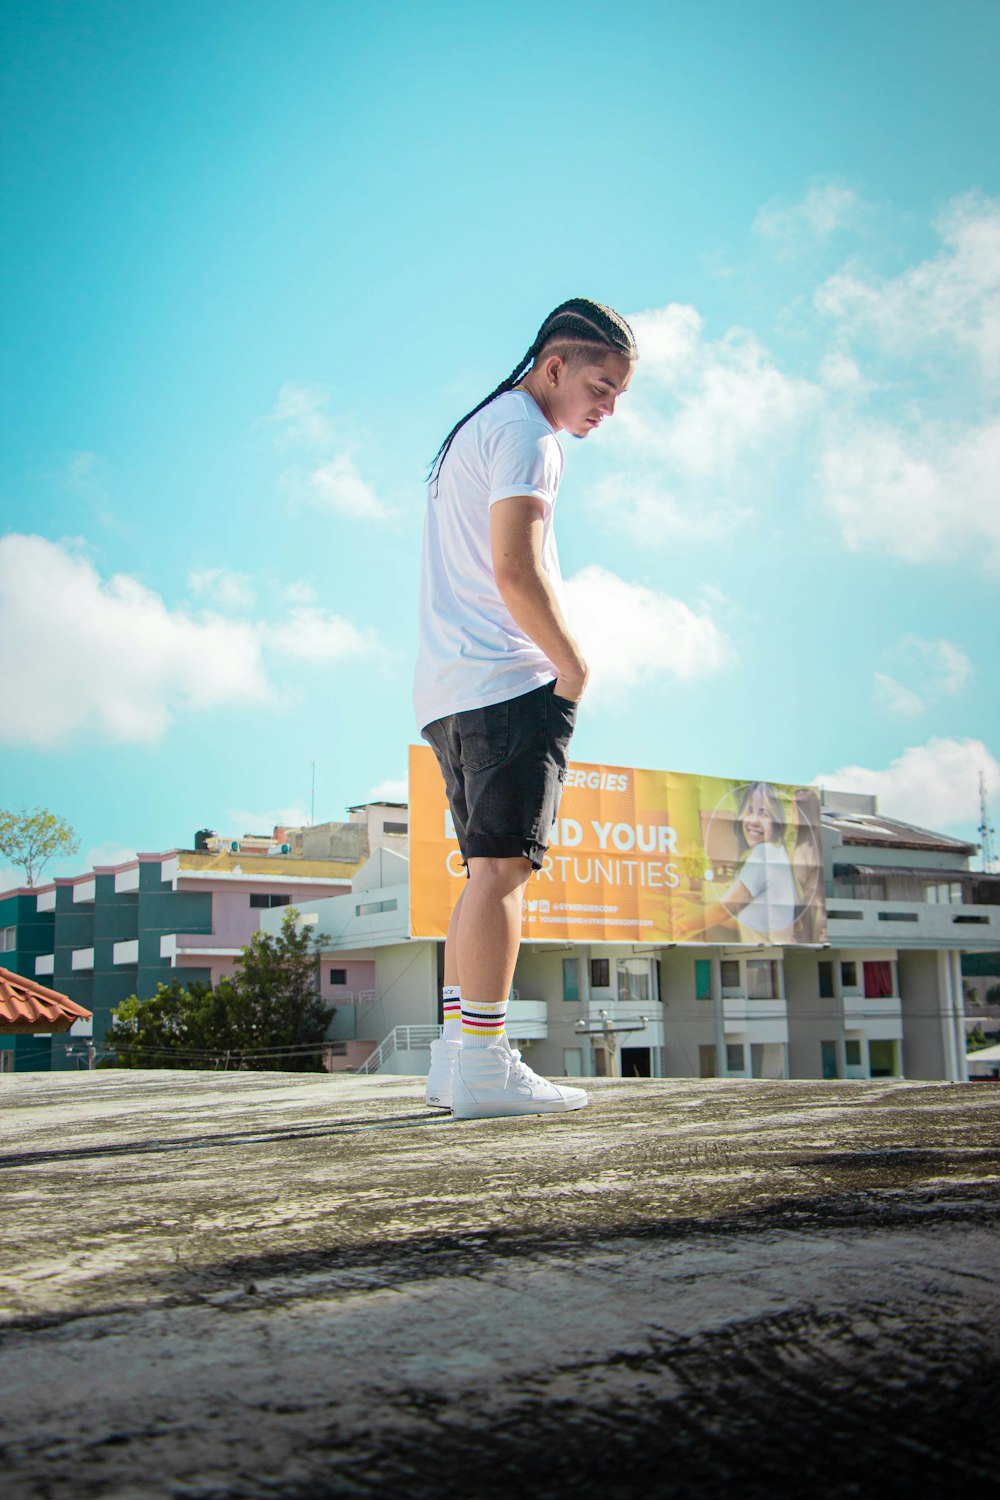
762 901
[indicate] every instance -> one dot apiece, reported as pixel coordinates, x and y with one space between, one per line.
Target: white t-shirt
767 875
471 652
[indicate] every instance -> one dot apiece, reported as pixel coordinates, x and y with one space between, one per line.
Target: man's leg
452 972
489 928
452 991
491 1080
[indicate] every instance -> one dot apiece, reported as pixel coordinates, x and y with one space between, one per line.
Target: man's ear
553 369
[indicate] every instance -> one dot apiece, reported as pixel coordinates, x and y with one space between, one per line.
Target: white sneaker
437 1094
490 1082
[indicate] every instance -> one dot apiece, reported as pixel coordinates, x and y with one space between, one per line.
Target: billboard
644 856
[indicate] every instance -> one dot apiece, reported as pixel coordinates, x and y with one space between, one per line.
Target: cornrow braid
578 321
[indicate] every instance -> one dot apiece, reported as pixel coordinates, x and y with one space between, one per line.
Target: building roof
874 830
920 872
26 1006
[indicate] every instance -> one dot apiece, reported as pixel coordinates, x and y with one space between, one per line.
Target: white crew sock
482 1022
452 1001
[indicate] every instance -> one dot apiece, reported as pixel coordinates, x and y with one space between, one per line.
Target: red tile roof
26 1006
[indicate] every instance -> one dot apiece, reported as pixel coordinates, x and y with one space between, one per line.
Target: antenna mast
985 830
312 797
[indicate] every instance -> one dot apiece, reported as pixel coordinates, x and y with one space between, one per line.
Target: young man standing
499 676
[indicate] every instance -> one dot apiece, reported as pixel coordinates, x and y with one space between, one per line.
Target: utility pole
312 798
985 830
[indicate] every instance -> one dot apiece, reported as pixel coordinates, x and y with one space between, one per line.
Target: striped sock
482 1022
452 999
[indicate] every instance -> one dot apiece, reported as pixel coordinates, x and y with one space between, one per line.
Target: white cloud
85 472
906 460
668 339
319 636
223 587
336 484
897 698
110 852
942 665
700 419
842 374
650 511
934 785
723 398
825 208
242 821
952 298
300 412
925 499
631 635
339 486
86 656
939 668
395 789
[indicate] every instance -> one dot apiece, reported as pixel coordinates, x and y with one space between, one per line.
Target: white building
882 999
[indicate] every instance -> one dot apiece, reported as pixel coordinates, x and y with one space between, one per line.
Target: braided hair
578 321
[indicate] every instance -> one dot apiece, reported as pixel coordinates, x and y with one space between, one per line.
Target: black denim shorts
503 769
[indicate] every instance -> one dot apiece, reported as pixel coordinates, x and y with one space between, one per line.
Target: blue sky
260 256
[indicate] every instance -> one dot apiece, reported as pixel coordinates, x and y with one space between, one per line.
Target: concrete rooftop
247 1285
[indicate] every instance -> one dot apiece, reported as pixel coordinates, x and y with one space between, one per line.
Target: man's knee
499 877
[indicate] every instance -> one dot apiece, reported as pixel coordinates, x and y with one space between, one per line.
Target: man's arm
516 534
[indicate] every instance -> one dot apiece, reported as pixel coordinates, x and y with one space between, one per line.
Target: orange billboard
650 856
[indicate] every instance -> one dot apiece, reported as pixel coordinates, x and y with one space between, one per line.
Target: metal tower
985 830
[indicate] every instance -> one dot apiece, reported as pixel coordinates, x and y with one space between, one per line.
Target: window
395 827
899 916
849 975
945 894
571 979
825 982
600 973
371 908
338 976
735 1061
8 939
706 1062
878 978
703 979
828 1052
729 971
882 1059
636 1062
852 1054
636 980
762 978
258 898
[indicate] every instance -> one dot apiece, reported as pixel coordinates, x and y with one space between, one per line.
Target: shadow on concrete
281 1278
213 1142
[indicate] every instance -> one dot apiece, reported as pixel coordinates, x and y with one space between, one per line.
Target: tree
260 1018
272 999
30 840
976 1039
175 1028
